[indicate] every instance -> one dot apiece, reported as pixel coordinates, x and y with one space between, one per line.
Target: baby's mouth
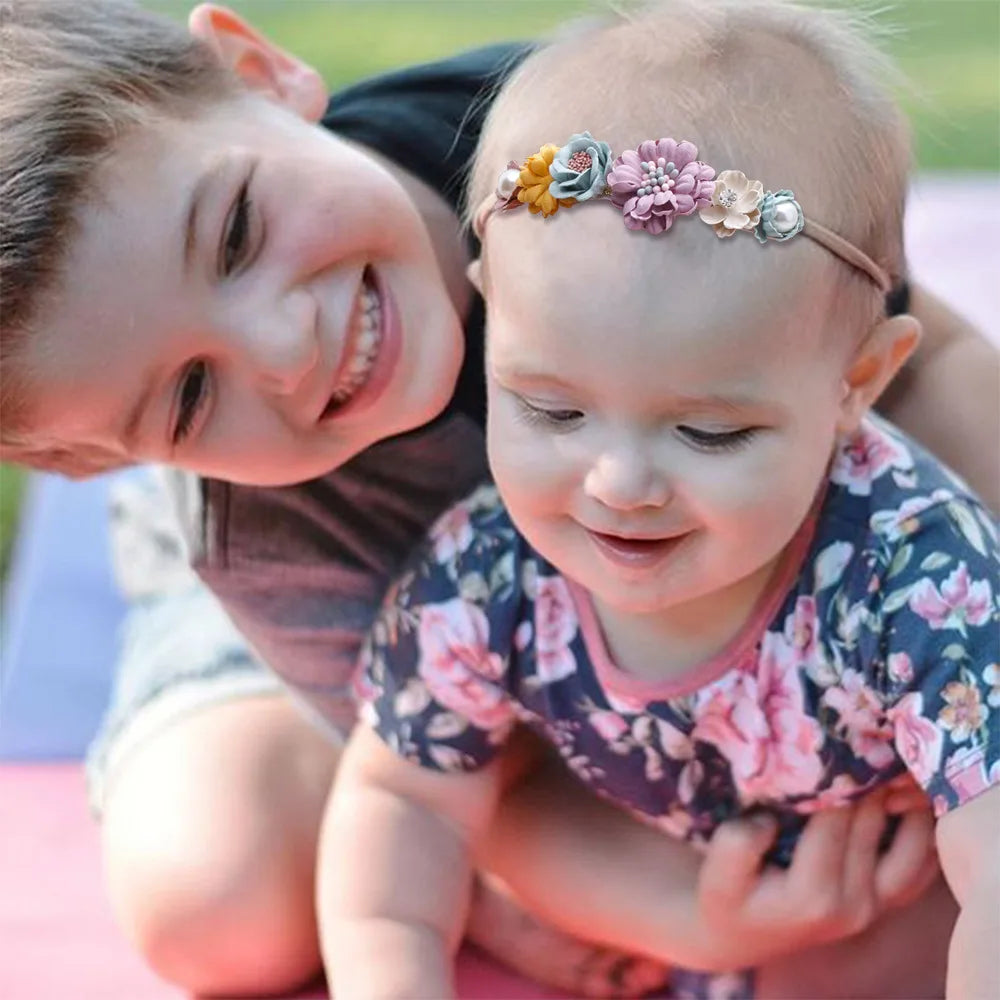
364 337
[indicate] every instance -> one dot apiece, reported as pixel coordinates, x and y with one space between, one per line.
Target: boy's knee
211 916
209 836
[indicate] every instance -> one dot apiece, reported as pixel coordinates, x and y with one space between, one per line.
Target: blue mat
61 614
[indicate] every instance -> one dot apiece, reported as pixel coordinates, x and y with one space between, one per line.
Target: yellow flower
534 183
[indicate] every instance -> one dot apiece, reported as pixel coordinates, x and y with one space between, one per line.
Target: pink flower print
801 629
452 533
758 722
457 666
992 677
861 720
864 456
960 601
900 667
918 741
965 772
963 712
657 181
556 625
610 726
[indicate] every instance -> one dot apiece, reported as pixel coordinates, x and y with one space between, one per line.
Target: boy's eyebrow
195 201
130 429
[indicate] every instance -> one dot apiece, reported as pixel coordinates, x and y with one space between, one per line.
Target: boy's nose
282 349
626 479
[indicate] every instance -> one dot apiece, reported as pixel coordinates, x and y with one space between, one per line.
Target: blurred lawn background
948 49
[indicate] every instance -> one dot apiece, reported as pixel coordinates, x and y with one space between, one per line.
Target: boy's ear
874 365
259 63
474 272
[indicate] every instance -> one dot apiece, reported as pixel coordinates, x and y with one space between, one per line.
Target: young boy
240 346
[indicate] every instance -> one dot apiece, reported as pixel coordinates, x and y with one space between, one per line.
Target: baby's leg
902 956
209 838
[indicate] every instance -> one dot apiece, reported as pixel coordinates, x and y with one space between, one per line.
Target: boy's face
660 416
246 297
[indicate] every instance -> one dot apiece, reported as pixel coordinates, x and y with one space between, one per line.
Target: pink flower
903 521
861 719
758 722
657 181
964 712
555 626
918 740
452 533
866 455
457 666
900 667
960 601
609 725
965 771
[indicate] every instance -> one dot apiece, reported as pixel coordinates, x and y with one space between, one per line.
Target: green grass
947 49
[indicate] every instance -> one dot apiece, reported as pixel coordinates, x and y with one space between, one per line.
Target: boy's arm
947 395
969 844
395 871
595 872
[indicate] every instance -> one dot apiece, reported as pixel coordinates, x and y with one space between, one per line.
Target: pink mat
57 935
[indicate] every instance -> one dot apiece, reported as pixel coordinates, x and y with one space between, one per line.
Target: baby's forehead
582 270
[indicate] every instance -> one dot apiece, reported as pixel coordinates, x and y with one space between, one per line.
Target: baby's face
246 297
660 417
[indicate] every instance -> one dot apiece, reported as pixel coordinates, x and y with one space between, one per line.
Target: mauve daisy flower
657 181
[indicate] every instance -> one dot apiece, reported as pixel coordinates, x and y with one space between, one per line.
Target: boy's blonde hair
75 76
795 96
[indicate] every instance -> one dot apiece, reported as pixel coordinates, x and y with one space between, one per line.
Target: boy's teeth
364 336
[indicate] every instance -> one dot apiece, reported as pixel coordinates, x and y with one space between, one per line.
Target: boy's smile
247 297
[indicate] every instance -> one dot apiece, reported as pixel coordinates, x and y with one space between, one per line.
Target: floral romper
877 652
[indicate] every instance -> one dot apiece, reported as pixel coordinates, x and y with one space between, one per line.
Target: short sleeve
434 678
941 633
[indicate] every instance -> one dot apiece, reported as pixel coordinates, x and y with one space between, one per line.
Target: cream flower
735 204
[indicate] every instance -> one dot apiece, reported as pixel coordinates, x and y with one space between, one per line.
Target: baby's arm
969 842
395 871
948 395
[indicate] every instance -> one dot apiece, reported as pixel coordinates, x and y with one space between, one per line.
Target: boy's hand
836 885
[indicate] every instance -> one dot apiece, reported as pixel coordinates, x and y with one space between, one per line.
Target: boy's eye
555 418
191 395
236 233
716 440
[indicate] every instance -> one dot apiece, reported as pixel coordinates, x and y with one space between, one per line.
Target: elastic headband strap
656 183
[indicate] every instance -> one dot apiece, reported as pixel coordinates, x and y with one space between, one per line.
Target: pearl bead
507 184
785 217
661 162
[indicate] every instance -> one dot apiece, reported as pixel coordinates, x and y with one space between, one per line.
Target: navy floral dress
878 652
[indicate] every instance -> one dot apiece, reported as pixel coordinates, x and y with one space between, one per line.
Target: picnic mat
60 615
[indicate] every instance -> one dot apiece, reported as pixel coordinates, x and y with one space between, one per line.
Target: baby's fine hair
75 76
795 96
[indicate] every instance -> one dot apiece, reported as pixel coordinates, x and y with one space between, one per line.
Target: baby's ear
874 365
258 62
474 272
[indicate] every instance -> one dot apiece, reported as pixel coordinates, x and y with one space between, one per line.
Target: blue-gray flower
781 217
578 168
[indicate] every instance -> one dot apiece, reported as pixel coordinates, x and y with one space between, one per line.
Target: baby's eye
555 418
191 395
705 440
236 233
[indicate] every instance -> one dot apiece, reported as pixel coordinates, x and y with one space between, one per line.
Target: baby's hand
837 884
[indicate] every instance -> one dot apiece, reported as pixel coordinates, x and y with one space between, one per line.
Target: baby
706 575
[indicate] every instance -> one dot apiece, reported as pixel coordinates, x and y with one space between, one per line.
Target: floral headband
653 184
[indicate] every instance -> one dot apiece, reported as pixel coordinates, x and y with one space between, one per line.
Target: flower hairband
653 184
